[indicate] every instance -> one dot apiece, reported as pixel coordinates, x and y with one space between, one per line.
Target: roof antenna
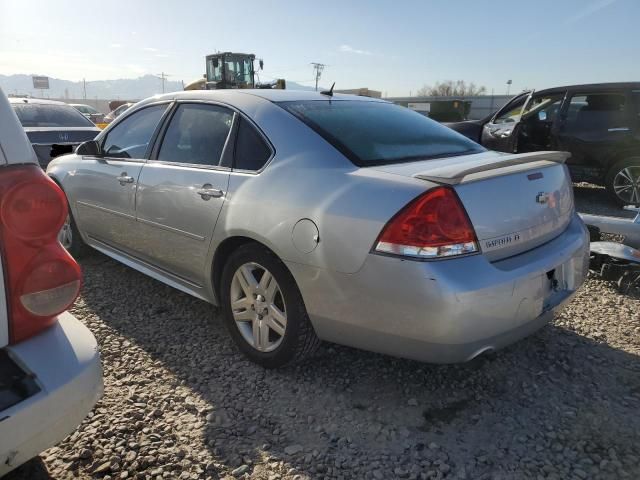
329 92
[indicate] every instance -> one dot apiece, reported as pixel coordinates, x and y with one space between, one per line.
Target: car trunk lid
515 202
49 142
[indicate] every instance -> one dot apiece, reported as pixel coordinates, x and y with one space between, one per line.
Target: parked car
89 112
348 219
50 374
54 128
111 116
598 124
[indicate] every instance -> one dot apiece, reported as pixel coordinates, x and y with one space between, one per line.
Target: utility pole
163 76
84 89
318 68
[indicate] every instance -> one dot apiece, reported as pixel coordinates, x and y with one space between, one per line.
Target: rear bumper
445 311
66 363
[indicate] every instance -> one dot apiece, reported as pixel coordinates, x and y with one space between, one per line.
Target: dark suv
599 124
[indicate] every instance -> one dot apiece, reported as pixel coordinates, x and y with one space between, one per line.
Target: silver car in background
311 216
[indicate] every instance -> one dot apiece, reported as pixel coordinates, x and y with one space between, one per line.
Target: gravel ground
181 402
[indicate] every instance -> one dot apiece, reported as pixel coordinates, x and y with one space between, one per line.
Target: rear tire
623 181
263 308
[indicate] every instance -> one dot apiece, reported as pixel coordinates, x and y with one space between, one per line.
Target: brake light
433 225
41 278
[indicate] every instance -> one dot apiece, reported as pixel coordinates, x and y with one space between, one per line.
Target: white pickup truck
50 372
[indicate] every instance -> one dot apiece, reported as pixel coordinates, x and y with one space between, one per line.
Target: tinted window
596 112
252 152
196 134
131 137
43 115
378 133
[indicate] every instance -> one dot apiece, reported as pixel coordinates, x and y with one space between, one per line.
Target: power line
318 68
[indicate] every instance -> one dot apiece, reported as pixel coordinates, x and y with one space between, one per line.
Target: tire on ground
299 341
611 175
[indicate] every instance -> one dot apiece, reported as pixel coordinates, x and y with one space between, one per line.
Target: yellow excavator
232 70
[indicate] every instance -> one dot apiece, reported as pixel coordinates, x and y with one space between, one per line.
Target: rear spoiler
456 173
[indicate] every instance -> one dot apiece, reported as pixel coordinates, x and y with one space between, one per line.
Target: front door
501 132
103 187
181 190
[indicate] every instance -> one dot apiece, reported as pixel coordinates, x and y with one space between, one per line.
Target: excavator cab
230 70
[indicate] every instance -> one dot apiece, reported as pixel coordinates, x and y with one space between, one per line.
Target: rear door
182 189
501 132
594 126
103 188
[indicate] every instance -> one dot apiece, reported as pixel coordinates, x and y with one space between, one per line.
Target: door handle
124 178
207 191
619 129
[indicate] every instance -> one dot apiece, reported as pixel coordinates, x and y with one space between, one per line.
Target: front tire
263 308
623 181
70 238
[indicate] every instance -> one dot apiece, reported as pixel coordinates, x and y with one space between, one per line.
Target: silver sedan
309 216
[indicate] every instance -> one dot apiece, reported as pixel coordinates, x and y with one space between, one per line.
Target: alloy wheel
258 307
626 185
65 236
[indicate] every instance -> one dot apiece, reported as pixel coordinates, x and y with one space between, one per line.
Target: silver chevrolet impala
310 216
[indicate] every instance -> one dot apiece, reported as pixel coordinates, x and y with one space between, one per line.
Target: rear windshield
377 133
42 115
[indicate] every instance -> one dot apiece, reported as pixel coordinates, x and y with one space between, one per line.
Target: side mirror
542 115
261 63
89 149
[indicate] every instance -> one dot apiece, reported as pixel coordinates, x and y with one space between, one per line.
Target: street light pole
509 82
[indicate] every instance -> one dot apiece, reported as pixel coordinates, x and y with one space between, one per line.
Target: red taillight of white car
41 278
434 225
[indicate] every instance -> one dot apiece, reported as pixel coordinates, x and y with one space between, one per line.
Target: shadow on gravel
349 412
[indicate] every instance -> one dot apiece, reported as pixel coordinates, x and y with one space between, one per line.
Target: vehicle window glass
512 114
377 133
543 108
130 138
48 115
596 112
251 152
197 134
635 95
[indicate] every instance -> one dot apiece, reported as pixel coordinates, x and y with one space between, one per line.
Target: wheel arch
222 253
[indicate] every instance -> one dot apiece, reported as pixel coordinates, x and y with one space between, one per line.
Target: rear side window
43 115
378 133
196 135
596 112
251 152
130 138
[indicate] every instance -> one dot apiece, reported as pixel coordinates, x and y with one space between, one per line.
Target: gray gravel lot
181 402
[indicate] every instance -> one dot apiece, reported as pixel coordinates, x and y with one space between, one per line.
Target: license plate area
557 285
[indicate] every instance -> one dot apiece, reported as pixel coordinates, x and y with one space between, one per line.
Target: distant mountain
123 89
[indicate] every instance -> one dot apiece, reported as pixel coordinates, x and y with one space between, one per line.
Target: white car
50 372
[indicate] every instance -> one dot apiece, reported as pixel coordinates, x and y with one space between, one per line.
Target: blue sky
392 46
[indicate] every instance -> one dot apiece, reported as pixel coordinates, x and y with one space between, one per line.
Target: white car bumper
66 363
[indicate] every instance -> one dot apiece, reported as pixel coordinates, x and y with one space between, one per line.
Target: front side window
596 112
196 135
130 138
512 113
378 133
48 115
544 108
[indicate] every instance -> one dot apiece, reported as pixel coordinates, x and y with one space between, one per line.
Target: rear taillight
41 278
433 225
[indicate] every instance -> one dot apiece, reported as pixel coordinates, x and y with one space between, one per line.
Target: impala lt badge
63 137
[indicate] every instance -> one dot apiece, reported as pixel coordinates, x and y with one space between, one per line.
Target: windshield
238 70
44 115
376 133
